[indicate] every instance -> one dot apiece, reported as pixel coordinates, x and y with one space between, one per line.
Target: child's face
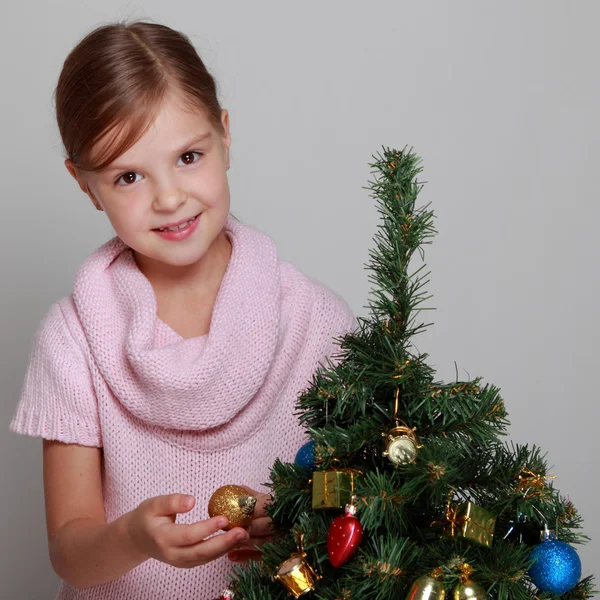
167 176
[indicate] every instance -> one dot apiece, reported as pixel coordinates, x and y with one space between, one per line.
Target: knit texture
175 415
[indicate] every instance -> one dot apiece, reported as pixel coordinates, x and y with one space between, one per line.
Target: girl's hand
259 530
155 534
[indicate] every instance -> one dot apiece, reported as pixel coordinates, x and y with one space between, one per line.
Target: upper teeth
176 227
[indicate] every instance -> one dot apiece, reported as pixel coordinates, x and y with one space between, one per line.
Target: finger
260 527
255 543
262 500
214 547
240 556
179 534
171 504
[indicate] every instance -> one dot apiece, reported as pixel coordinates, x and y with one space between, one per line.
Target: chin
180 260
177 257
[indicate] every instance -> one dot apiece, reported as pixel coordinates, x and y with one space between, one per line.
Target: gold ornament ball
469 591
427 588
233 502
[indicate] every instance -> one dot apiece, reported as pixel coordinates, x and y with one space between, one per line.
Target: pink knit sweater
175 415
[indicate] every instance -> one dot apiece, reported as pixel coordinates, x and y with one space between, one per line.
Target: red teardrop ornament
345 534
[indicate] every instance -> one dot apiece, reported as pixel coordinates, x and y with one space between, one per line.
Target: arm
84 550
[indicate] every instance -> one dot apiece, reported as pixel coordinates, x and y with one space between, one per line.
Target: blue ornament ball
557 566
305 458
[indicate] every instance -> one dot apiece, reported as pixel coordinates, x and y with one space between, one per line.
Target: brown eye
127 178
188 158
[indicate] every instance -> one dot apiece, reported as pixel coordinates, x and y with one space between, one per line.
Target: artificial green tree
456 504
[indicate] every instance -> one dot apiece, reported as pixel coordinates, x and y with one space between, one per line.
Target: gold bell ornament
233 502
401 443
427 587
467 589
296 574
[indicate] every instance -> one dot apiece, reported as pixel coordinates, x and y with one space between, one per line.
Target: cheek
211 191
127 218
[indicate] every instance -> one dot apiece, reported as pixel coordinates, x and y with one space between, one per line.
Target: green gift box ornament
470 522
332 489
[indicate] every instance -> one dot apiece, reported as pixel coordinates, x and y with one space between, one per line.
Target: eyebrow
195 140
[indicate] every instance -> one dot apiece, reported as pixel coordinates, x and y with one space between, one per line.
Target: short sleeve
58 400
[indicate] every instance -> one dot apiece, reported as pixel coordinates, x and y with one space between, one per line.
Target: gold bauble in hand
233 502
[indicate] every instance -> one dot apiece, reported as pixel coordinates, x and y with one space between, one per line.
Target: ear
225 123
80 179
226 136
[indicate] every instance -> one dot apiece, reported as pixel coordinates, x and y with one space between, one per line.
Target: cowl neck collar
194 384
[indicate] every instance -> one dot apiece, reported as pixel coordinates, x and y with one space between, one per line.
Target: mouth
177 226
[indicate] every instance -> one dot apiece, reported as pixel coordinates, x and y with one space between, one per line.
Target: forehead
162 128
175 113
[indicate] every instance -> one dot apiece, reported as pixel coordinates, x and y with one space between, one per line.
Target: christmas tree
406 489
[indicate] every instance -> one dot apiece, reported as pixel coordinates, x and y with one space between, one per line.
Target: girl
173 366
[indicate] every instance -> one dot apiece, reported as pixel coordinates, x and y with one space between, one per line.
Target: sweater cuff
51 427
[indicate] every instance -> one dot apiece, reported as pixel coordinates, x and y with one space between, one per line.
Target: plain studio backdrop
500 100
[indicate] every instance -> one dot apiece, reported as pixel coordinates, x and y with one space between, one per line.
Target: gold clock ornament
233 502
401 443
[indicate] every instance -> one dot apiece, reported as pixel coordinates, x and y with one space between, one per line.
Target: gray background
499 98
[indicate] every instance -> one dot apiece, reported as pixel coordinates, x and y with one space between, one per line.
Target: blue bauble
305 458
557 566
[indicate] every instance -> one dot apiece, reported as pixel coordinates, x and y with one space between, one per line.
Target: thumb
172 504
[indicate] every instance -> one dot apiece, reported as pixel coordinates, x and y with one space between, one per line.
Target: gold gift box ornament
333 489
471 522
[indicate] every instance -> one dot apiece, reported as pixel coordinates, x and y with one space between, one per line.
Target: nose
169 199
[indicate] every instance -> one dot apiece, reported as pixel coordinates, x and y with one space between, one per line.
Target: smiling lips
179 231
177 226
